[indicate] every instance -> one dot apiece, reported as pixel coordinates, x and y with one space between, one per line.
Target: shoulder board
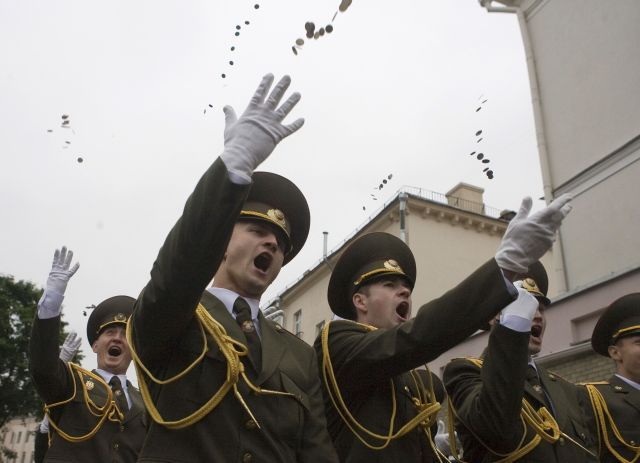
281 329
553 375
475 360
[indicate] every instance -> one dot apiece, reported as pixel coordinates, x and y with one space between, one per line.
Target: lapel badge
248 327
617 388
537 388
118 393
89 385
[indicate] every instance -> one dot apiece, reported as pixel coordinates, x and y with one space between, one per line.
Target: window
19 437
319 328
297 323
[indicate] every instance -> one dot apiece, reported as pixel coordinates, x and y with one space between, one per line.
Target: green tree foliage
18 302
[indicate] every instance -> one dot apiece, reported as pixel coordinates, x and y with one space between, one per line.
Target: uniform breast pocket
290 412
582 433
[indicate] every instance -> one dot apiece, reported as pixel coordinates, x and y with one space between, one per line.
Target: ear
94 347
359 301
614 353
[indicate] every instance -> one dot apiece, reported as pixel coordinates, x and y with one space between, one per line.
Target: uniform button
116 446
247 458
250 424
561 440
122 428
632 443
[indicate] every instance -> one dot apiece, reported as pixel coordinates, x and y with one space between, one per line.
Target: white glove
250 140
528 238
442 439
524 307
50 303
70 346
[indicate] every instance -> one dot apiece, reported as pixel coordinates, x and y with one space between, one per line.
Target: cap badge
277 216
248 326
120 317
393 265
89 385
537 388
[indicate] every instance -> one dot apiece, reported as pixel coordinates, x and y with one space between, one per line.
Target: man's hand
50 303
524 306
528 238
248 141
70 346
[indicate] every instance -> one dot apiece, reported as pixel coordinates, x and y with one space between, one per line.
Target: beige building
17 435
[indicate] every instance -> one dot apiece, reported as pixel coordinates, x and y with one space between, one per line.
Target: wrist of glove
249 140
524 308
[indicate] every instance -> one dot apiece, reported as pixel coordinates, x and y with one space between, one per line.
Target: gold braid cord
541 422
425 404
108 411
232 351
604 420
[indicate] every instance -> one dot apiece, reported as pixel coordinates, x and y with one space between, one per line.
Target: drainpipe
324 249
560 270
402 197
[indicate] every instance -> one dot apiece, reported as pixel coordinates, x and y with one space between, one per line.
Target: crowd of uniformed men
218 382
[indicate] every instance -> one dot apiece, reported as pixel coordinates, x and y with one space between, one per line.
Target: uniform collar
228 298
107 377
629 382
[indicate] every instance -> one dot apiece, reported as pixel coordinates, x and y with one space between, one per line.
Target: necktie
121 399
242 312
534 380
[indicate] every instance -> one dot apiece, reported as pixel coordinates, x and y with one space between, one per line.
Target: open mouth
536 331
114 351
403 310
263 261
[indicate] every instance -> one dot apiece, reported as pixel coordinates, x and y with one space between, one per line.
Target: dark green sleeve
50 374
488 400
186 263
316 444
363 358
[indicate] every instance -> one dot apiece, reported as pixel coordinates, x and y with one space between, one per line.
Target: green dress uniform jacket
365 361
623 402
488 401
114 442
168 338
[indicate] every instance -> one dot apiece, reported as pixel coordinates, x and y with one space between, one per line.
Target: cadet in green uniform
614 405
506 407
379 409
93 416
221 382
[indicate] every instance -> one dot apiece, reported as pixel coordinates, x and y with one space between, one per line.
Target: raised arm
195 246
50 374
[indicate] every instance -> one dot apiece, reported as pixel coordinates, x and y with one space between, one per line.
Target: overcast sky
393 90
